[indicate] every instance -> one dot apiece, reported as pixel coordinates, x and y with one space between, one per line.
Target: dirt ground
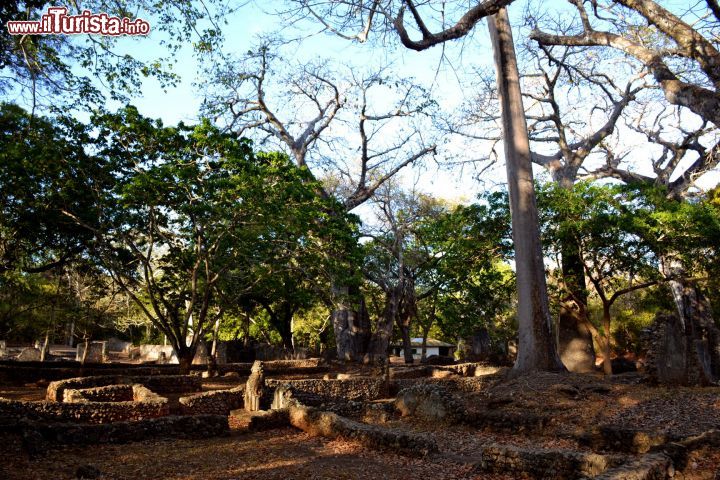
575 403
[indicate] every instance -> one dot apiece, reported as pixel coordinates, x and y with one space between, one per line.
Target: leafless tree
353 131
682 58
397 262
574 110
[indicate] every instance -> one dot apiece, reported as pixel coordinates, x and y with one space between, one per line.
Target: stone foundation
12 411
268 420
325 424
219 402
111 393
457 384
623 439
430 402
157 383
12 371
646 467
356 389
38 436
543 463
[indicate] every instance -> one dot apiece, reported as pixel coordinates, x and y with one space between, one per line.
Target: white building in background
434 347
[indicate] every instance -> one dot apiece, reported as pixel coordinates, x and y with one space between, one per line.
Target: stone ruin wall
23 372
156 383
111 393
354 389
219 402
39 435
12 411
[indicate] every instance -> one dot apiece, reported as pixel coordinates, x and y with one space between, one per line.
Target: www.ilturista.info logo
57 21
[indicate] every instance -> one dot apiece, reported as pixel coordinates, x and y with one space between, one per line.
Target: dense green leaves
45 173
197 224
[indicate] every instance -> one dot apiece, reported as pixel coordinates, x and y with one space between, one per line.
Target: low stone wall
111 393
12 371
38 436
458 384
219 402
543 463
475 369
156 383
624 439
24 372
363 389
646 467
330 425
12 411
268 420
355 389
277 367
431 403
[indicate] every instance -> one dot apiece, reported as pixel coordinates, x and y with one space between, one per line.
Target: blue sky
181 103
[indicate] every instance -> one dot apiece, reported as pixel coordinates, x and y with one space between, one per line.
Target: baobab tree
691 83
573 108
655 38
537 350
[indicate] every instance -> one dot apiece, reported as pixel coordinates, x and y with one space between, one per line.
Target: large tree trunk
536 346
380 339
185 357
350 324
703 336
575 341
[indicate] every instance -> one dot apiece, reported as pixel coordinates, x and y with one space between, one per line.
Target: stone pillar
255 387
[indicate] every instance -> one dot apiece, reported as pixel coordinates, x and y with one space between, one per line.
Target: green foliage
197 224
475 285
455 257
43 168
602 223
624 233
312 326
688 230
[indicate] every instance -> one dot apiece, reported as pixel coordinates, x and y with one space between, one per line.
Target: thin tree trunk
407 344
85 352
45 347
536 346
607 361
212 361
71 334
423 352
